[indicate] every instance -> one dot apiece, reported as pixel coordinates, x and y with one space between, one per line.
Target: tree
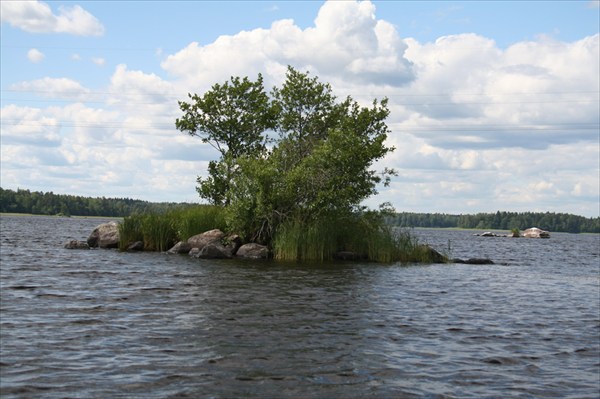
320 167
232 117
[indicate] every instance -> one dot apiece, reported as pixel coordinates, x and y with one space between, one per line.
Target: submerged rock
74 244
474 261
136 246
428 254
105 235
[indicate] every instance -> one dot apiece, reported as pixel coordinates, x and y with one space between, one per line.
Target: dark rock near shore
136 246
214 251
182 247
232 244
431 255
347 255
105 235
253 251
474 261
74 244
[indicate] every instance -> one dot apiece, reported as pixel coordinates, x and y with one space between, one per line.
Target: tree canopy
319 165
232 117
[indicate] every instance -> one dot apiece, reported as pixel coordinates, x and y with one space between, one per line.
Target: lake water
104 324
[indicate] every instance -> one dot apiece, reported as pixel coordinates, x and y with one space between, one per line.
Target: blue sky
495 105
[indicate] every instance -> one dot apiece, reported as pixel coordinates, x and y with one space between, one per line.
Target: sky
495 105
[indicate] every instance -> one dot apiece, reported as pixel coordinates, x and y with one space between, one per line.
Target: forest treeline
40 203
554 222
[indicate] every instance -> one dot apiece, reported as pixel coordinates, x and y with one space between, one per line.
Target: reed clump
160 231
364 235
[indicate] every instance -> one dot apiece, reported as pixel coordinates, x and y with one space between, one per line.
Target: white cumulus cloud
37 17
35 55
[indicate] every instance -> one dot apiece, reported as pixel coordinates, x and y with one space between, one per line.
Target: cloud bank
476 128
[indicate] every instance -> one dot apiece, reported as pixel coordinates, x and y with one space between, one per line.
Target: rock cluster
533 232
214 244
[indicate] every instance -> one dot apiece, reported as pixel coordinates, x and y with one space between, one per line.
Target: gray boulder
213 251
105 235
209 237
74 244
253 251
534 232
182 247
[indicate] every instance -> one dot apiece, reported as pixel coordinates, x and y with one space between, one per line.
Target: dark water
104 324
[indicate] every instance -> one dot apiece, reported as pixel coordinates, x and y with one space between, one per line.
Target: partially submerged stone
182 247
214 251
136 246
474 261
105 235
253 251
534 232
75 244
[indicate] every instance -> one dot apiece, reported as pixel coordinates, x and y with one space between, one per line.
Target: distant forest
40 203
558 222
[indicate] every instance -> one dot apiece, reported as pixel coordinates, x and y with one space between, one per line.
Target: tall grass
130 231
298 240
366 235
190 221
160 231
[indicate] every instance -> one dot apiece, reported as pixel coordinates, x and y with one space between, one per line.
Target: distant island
48 203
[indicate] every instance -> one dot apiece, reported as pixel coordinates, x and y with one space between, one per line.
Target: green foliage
232 117
318 169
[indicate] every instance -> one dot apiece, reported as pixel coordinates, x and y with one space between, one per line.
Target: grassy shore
295 240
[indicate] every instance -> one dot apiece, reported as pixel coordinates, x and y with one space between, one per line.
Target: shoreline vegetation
39 203
362 236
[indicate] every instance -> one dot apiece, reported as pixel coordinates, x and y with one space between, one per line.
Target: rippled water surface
99 323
